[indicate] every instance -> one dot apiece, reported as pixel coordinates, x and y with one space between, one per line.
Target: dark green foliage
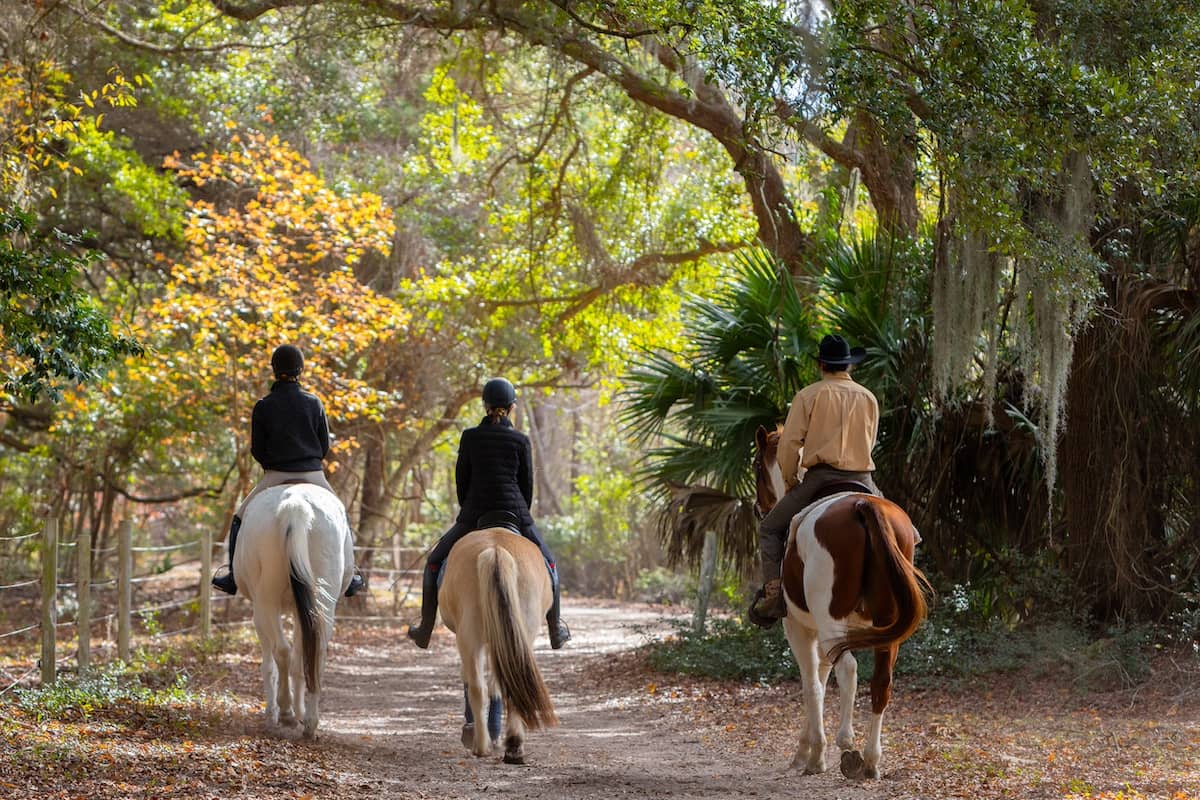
729 649
751 346
50 331
117 687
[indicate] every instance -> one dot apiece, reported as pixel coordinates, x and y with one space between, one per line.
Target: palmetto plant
751 349
697 410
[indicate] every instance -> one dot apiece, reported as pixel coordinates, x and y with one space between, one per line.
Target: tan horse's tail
509 643
907 584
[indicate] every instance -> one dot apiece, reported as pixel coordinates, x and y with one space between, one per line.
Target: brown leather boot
771 605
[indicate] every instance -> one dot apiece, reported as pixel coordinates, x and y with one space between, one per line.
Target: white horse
495 594
295 557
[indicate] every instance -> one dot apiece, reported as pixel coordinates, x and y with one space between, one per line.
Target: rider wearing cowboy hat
830 431
289 438
493 473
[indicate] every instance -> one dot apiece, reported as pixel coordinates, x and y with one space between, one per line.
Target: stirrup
559 636
754 616
357 584
420 635
225 582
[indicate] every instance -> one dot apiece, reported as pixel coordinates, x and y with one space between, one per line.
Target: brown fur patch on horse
895 589
881 678
793 576
839 531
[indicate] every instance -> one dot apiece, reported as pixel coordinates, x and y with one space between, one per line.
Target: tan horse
850 584
495 594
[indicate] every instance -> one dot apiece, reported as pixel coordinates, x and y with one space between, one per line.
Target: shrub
729 649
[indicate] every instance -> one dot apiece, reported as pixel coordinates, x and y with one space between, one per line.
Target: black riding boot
225 582
559 633
429 604
357 584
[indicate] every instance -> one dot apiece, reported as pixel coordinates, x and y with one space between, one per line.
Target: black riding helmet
498 393
287 361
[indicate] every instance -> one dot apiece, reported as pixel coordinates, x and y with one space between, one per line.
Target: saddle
499 519
830 489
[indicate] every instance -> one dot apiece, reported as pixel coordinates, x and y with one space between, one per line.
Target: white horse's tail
508 642
295 517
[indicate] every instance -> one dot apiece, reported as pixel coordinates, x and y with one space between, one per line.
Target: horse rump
896 584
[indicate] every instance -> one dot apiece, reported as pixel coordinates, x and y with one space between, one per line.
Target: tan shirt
832 421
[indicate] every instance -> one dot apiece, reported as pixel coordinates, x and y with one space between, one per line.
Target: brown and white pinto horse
850 584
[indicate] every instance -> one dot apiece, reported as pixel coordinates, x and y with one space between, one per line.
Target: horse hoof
871 773
852 764
468 736
511 757
287 720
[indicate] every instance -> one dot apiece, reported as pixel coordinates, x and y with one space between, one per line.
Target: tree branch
631 274
848 157
211 491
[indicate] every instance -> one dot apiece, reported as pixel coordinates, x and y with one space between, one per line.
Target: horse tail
908 585
509 645
295 517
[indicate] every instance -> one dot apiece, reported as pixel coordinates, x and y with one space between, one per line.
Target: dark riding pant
773 530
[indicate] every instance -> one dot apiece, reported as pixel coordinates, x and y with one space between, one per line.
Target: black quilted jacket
494 472
288 429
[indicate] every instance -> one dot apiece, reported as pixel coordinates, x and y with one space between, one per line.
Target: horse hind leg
514 740
847 679
275 666
308 701
310 710
296 677
881 694
477 697
810 754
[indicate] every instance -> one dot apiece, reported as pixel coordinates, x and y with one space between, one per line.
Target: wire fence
175 599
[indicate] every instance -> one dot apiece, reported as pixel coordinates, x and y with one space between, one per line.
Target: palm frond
691 511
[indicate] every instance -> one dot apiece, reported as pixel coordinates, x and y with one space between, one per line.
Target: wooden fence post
83 588
396 567
124 586
206 584
49 599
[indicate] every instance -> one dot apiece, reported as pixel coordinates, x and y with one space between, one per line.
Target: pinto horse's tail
508 642
295 517
896 586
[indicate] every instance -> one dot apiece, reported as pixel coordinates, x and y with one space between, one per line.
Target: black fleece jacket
288 429
494 471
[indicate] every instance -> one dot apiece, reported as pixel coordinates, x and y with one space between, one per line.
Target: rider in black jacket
494 472
289 438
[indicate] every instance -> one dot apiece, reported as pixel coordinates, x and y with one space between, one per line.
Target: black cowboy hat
835 351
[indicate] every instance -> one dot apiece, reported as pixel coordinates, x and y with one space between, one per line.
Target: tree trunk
708 572
1112 495
372 516
889 172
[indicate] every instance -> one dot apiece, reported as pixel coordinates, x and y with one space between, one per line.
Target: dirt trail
395 713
